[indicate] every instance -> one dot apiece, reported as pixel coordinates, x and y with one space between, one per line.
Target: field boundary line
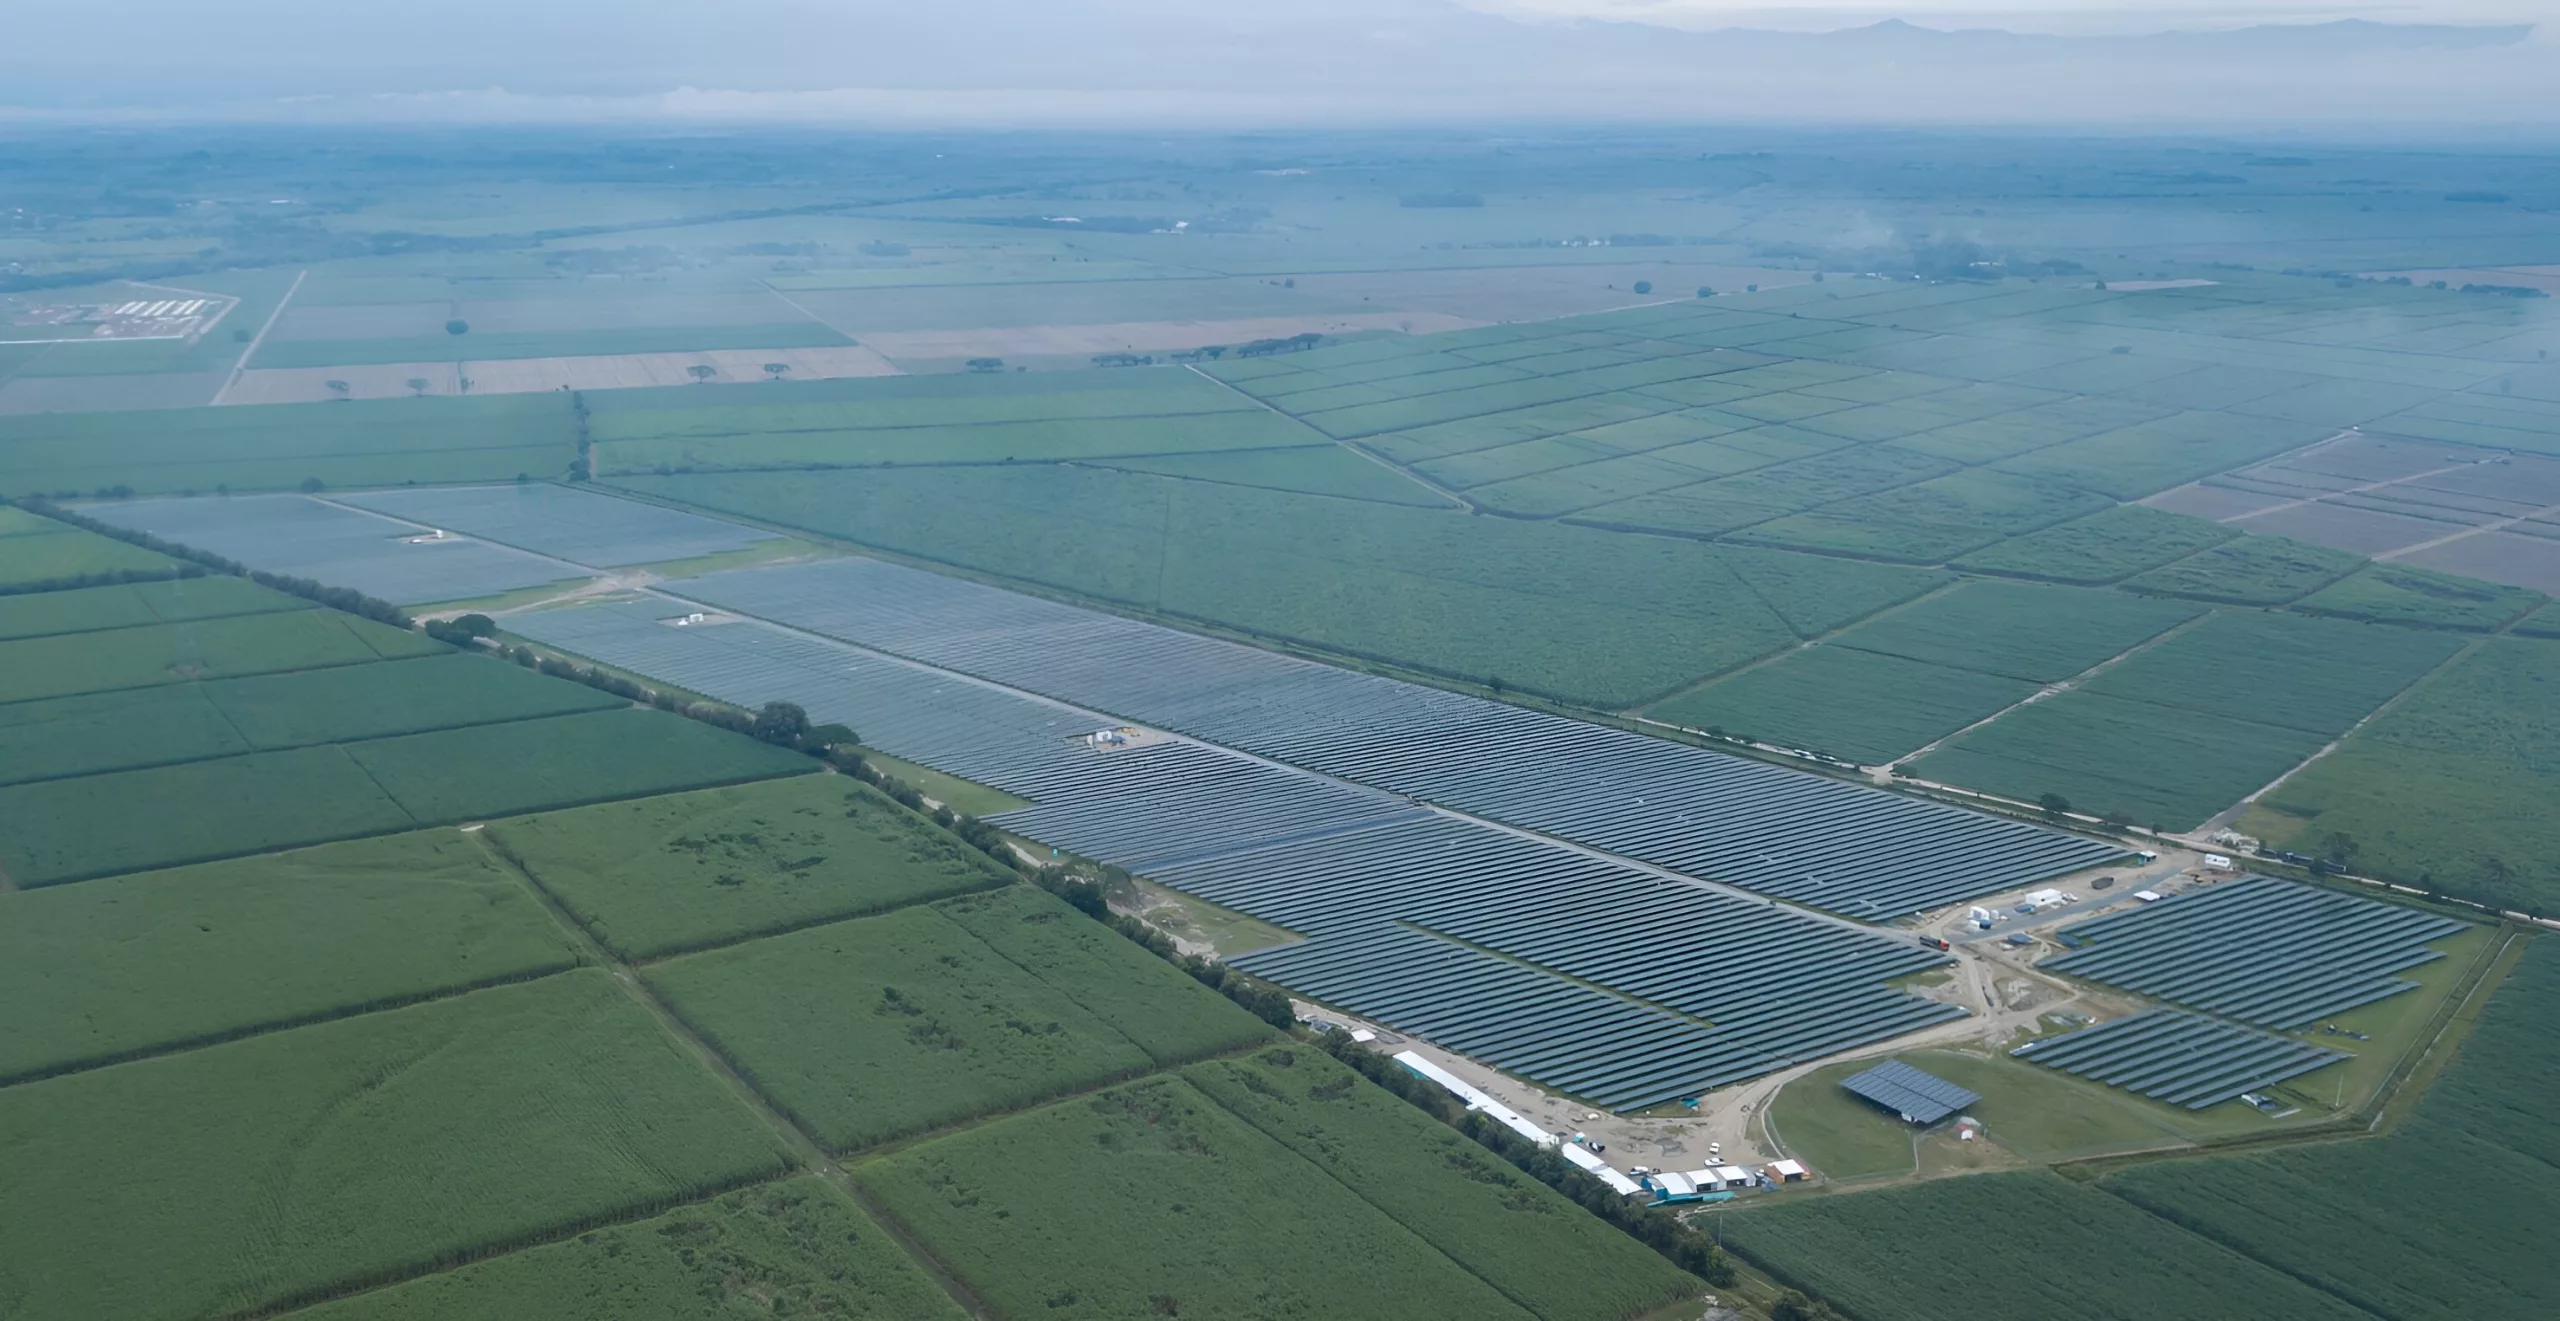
1802 644
807 1153
1398 469
241 367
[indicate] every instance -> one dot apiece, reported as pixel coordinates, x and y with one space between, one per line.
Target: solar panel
305 538
2181 1058
567 522
1920 1098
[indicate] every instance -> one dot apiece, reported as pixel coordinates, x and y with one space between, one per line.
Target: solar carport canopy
1921 1098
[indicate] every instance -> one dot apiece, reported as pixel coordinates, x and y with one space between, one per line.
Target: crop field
1914 1253
2021 631
117 967
372 442
2397 594
795 1248
1127 1203
112 659
94 732
533 766
2436 1219
133 605
2132 761
2105 547
871 1029
2253 570
1441 1186
29 559
2313 675
267 1169
1861 705
652 876
2447 789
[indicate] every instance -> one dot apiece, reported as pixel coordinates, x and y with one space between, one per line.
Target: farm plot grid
2179 1058
1797 836
404 563
2263 951
1435 924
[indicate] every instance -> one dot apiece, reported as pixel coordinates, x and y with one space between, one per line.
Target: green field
2438 1219
1445 1189
795 1248
2011 1247
125 658
2252 570
2139 763
2019 630
269 1169
2448 789
2313 675
538 765
116 967
2397 594
189 722
39 559
2105 547
133 605
1858 705
267 447
655 876
883 1026
1151 1199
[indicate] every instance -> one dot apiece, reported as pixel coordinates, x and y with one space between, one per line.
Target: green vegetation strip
124 658
135 605
306 1162
120 967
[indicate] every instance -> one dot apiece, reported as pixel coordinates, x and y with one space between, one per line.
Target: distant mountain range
2342 37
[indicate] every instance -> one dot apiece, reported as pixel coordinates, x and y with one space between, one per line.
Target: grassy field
134 605
2143 764
268 1169
2020 630
1860 705
31 560
1151 1199
795 1248
2105 547
1449 1192
2317 676
189 722
2447 788
112 659
267 447
2437 1219
534 766
883 1026
2011 1247
683 871
116 967
2397 594
2253 570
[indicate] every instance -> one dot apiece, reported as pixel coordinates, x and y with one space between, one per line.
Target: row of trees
336 598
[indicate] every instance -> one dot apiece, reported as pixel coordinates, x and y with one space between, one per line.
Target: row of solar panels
2181 1058
2260 950
1441 927
1803 837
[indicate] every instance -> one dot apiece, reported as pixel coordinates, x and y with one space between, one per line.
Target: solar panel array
306 538
565 522
1917 1096
1802 837
2178 1057
2264 951
1583 973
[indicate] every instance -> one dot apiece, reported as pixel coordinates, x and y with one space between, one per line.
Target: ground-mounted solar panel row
564 522
2181 1058
2259 950
1439 926
1803 837
305 538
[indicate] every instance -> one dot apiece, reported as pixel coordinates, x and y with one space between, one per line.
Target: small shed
1784 1171
1920 1098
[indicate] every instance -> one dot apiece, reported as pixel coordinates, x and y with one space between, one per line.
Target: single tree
417 384
1706 291
2339 847
2054 805
313 486
1644 286
831 736
338 388
986 364
701 371
776 369
781 722
457 326
478 626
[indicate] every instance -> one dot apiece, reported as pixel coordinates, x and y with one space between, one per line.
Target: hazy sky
1228 63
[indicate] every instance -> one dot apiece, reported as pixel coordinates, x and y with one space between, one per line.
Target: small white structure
1717 1178
1784 1171
2148 896
2217 862
2043 898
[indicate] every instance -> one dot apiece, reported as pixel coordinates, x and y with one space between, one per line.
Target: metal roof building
1920 1098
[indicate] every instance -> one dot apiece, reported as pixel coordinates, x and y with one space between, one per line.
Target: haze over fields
1163 64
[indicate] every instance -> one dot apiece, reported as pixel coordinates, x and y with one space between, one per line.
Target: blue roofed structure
1920 1098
